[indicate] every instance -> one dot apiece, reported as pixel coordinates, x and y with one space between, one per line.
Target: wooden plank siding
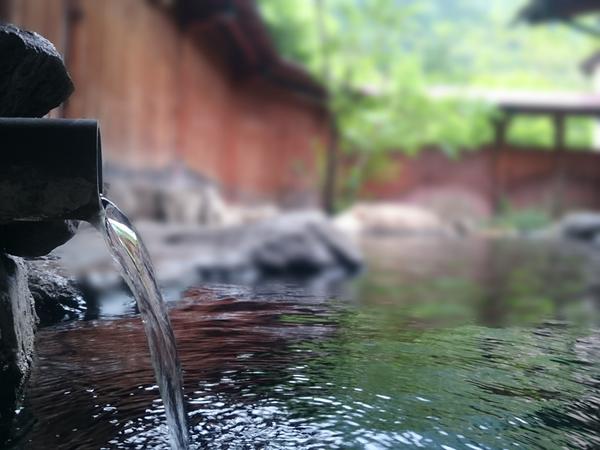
526 177
165 94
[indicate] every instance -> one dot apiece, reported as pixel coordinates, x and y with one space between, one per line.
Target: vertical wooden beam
6 11
559 167
332 149
331 168
72 15
65 45
497 188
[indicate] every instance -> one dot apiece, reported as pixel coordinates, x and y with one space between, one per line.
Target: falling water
128 250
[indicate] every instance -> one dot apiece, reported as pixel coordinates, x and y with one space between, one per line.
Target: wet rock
300 243
292 244
57 297
33 77
17 327
33 81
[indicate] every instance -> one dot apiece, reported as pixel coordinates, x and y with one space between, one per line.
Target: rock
174 195
33 77
32 239
57 298
191 205
390 218
300 243
584 226
17 327
289 245
246 214
33 80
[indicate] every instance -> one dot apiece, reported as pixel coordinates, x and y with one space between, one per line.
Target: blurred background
468 109
388 204
239 124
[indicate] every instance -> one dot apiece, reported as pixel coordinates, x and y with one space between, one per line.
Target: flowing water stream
128 250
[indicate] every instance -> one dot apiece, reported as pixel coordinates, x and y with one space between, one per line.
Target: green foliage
379 58
293 29
523 220
579 132
539 132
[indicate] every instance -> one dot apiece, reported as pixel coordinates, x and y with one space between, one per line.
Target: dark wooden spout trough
50 169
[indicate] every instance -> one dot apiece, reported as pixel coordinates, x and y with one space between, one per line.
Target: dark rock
581 226
17 326
33 80
299 244
57 298
294 253
33 77
292 245
32 239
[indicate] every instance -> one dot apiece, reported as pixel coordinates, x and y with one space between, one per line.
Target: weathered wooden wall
525 178
164 94
123 58
45 17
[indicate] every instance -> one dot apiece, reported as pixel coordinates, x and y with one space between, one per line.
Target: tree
379 58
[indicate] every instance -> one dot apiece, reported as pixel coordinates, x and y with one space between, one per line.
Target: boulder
390 218
57 298
294 244
33 81
17 327
583 226
299 243
33 77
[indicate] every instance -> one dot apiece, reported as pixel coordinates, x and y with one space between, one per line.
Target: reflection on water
453 344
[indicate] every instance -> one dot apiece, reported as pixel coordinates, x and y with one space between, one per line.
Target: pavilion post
332 153
559 165
500 128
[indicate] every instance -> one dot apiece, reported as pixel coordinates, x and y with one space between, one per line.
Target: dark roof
537 11
241 26
528 102
573 104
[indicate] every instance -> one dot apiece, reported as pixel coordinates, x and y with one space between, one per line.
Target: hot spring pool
448 344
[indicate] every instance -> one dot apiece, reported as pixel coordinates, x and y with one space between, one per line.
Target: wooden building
500 175
198 82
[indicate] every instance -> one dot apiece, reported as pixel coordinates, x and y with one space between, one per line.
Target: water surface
455 344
